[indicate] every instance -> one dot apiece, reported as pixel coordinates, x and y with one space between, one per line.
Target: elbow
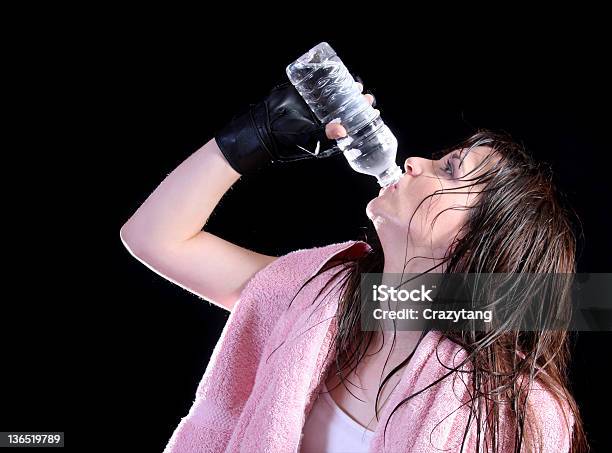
140 244
131 241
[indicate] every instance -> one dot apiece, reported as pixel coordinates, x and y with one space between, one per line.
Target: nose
411 167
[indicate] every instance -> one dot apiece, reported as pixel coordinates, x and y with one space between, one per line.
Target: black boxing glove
281 128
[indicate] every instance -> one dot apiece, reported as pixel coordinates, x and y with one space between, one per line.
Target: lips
390 187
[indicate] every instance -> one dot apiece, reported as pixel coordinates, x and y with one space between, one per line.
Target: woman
483 207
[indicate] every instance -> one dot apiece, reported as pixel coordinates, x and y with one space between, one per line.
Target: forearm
180 206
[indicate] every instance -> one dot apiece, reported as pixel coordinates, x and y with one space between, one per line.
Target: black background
135 345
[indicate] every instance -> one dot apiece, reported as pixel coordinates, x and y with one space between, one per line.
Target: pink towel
252 400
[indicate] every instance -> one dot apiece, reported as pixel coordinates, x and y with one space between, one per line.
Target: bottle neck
390 176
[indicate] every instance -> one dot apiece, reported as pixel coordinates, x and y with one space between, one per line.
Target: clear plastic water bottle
331 93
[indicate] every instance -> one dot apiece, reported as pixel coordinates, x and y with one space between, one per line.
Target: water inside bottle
331 92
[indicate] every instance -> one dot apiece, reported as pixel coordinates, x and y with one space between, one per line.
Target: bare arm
166 235
165 232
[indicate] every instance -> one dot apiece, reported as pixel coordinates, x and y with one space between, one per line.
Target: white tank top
328 429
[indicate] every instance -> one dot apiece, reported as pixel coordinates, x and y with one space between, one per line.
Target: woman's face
392 210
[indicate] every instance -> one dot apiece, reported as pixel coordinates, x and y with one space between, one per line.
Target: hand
281 128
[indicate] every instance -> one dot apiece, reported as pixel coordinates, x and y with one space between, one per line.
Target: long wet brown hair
520 224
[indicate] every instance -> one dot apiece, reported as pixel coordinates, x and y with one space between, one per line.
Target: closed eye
450 168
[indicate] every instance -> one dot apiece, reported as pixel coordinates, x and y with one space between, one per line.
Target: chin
372 209
379 208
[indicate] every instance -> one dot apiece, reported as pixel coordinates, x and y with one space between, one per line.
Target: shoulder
290 270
